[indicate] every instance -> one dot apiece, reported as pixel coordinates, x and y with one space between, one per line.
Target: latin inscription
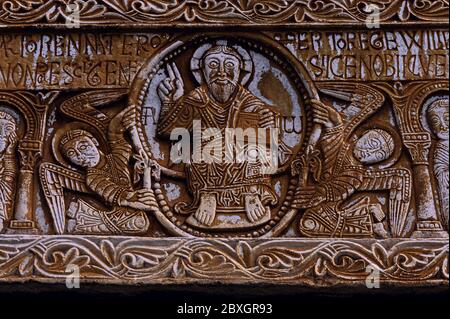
371 55
38 61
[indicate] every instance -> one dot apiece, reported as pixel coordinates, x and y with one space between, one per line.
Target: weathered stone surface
165 143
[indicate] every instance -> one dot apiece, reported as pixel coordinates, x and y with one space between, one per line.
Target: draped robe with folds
229 182
441 169
7 178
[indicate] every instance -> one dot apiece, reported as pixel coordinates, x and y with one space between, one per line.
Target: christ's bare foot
206 212
254 208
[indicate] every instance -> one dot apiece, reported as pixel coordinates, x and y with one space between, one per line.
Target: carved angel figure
339 172
8 142
106 175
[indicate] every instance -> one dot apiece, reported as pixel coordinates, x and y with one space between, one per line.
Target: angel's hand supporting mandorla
124 121
325 115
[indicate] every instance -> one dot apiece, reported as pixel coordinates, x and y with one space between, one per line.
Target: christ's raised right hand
171 89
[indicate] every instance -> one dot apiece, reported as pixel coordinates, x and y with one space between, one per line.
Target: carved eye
213 64
9 129
229 65
435 121
71 153
82 147
380 155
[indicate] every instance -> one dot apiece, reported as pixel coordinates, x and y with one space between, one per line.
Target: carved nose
221 70
78 154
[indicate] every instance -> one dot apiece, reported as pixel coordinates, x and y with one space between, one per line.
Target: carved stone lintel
295 142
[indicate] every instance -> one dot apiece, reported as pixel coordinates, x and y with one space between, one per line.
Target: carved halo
196 61
56 142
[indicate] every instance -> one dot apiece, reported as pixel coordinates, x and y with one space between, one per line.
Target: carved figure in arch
339 172
220 102
106 175
8 169
437 116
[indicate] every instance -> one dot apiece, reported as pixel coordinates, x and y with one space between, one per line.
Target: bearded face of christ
221 71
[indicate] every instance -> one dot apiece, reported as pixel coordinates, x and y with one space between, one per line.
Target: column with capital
407 102
428 224
23 220
34 109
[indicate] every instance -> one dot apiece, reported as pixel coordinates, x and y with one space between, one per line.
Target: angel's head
374 146
80 148
8 127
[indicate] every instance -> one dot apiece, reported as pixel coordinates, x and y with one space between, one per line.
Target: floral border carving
220 12
128 260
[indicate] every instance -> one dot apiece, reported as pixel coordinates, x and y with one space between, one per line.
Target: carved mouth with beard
222 89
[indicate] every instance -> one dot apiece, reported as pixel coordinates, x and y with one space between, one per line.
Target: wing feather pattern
54 179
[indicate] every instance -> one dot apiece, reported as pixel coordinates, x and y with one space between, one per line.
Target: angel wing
54 179
364 101
84 107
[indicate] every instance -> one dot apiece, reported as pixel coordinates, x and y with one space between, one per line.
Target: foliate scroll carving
148 261
224 12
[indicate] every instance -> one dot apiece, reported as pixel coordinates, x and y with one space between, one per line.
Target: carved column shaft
23 214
